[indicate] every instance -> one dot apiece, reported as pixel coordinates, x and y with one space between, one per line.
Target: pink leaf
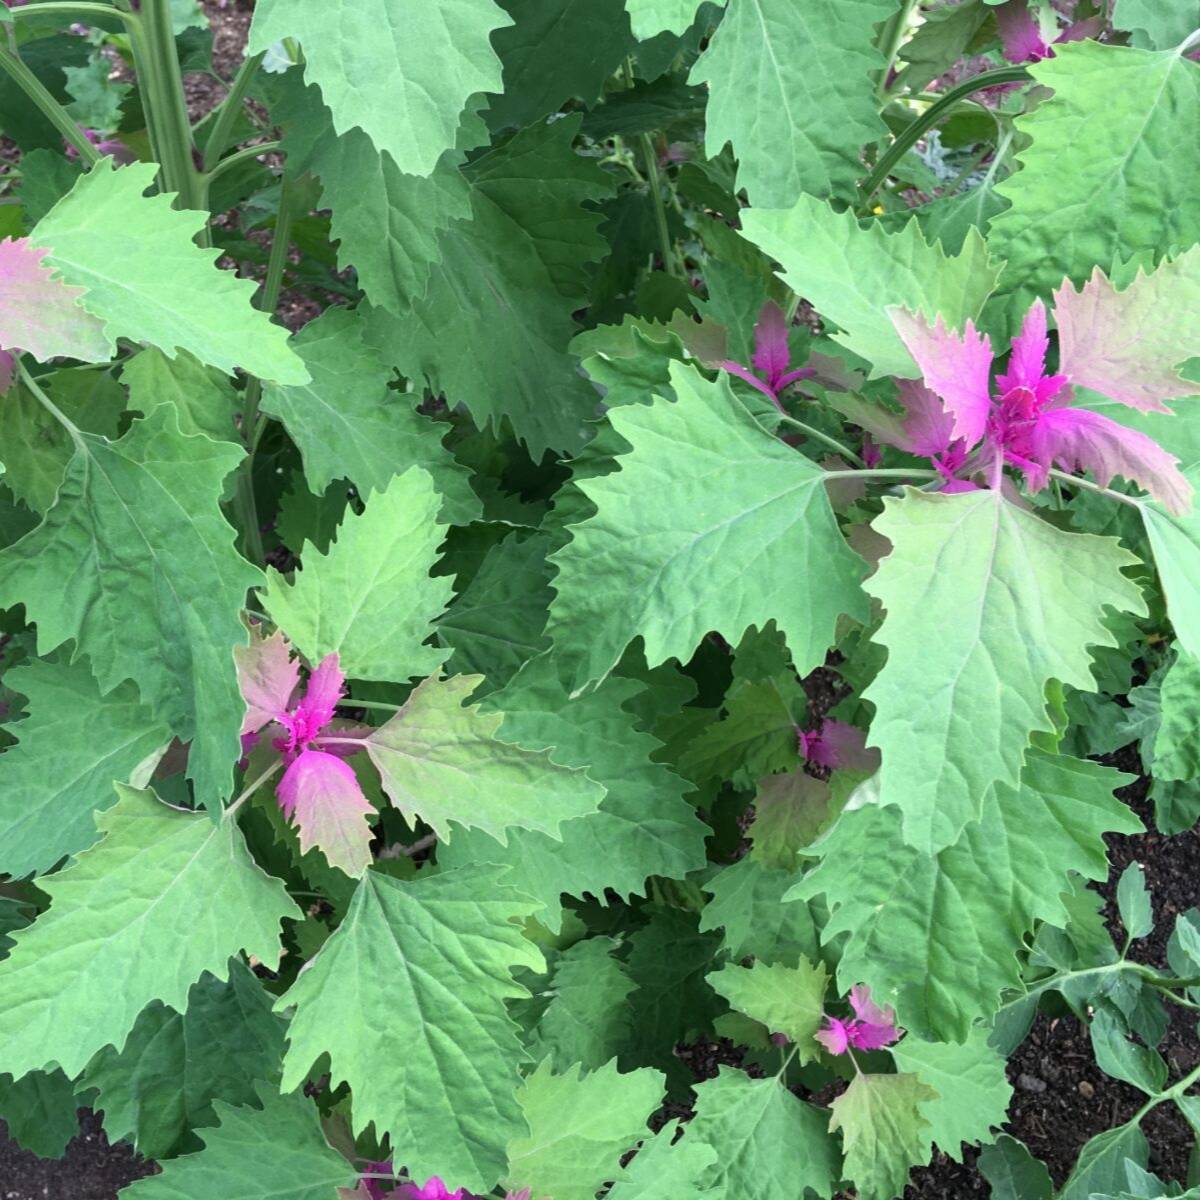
1079 440
771 352
1127 344
1019 33
744 373
835 1037
321 696
267 675
928 427
957 368
41 314
321 795
875 1026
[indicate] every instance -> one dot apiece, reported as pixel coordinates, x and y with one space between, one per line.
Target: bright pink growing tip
321 696
771 343
433 1189
523 1194
835 1037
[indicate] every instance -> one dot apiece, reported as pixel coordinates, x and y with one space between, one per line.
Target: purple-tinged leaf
928 427
268 676
41 314
1080 440
957 367
1019 33
748 376
1126 344
321 795
771 353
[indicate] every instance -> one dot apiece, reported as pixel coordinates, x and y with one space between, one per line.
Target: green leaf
938 936
664 1167
1013 1172
555 51
1133 901
852 274
1027 601
1176 750
400 70
579 1126
710 524
70 749
884 1132
748 903
587 1019
95 98
972 1091
1107 175
36 447
497 622
176 1065
790 810
116 914
39 1110
168 293
768 1143
1101 1166
1154 25
1118 1056
278 1153
493 330
204 399
371 599
155 585
808 70
643 826
1176 545
348 424
788 1000
431 956
652 17
445 760
939 41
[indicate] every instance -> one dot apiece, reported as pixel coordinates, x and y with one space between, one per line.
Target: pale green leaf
643 826
665 1167
371 599
348 424
853 274
1121 1057
985 603
1133 902
70 749
579 1126
176 1065
1176 747
748 903
710 524
135 562
1155 24
884 1131
110 942
401 70
1176 545
768 1143
278 1153
938 936
792 89
587 1019
786 999
1103 1163
433 957
204 399
1109 172
652 17
493 330
444 760
972 1090
35 447
168 292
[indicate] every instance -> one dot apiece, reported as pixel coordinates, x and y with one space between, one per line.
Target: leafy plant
703 578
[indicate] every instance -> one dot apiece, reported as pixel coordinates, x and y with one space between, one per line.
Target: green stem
238 157
654 178
1088 485
50 108
157 64
40 396
824 438
66 8
227 115
250 789
893 38
381 705
888 473
927 120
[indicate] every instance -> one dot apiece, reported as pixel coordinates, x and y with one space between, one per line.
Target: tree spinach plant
540 534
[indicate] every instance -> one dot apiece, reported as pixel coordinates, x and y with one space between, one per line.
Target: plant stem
1075 481
654 177
237 157
816 434
890 43
67 8
227 115
35 390
927 120
50 108
250 789
381 705
888 473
